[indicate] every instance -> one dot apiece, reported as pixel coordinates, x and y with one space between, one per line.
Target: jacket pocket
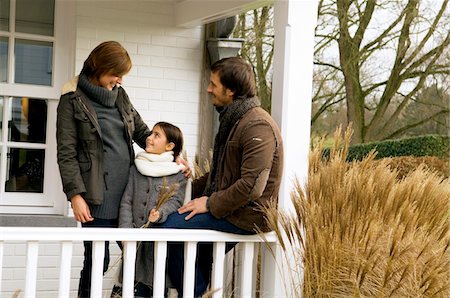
85 166
85 128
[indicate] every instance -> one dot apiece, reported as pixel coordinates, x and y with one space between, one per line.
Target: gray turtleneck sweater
116 157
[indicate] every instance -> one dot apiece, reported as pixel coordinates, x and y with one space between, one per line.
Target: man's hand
187 170
80 208
195 206
154 215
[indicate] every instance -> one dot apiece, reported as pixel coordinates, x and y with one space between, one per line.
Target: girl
154 172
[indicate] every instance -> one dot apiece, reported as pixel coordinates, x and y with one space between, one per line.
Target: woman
96 127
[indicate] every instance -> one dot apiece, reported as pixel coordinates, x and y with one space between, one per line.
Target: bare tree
256 28
387 52
431 104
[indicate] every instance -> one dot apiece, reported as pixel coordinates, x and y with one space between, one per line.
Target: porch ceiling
189 13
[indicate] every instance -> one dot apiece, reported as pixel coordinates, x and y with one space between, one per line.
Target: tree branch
407 127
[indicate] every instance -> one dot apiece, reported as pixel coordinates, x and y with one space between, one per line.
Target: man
245 171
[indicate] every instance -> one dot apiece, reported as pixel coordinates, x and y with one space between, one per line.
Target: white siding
14 261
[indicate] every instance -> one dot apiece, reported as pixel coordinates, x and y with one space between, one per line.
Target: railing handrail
246 283
117 234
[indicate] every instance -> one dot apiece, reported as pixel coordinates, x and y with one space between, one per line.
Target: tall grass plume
358 230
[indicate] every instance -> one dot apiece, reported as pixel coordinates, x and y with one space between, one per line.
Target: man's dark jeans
84 287
204 259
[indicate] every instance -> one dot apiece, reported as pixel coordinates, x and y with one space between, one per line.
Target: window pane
4 15
3 59
35 16
28 120
33 62
25 170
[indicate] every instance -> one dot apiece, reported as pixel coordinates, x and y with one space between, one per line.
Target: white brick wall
164 85
165 81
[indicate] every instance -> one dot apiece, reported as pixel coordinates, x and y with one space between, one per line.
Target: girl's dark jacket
79 141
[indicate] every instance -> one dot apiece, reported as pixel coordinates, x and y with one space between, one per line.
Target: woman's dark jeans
175 254
84 287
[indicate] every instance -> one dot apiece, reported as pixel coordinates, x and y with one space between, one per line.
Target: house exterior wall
14 260
164 85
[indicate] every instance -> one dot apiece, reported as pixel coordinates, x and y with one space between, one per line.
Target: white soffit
190 13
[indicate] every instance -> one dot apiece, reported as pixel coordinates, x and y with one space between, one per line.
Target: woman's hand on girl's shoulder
187 169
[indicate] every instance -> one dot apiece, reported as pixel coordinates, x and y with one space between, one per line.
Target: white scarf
157 165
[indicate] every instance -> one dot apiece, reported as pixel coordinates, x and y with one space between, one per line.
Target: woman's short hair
174 135
237 75
109 57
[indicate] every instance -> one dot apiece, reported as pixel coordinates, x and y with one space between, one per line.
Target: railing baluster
64 268
1 264
190 253
159 272
244 284
31 271
269 270
218 269
98 254
256 261
246 261
129 259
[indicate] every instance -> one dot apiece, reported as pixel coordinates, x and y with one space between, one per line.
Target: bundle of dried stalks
199 170
165 193
358 231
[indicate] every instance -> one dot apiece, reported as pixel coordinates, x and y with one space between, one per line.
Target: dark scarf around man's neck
228 117
96 93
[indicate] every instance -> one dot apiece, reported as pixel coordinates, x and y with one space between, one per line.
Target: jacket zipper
94 119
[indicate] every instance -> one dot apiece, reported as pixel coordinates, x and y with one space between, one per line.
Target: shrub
358 231
429 145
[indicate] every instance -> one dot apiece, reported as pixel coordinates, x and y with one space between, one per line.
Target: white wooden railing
245 286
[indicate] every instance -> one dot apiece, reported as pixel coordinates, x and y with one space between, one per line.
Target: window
34 64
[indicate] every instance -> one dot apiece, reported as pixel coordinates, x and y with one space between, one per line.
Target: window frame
52 200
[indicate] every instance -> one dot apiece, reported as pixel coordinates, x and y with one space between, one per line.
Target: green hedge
428 145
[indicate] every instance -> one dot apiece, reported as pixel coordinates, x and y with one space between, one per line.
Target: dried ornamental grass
165 193
407 164
360 232
201 168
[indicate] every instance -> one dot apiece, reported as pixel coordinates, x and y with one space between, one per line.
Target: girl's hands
154 215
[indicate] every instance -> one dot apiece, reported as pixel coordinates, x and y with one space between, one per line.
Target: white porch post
295 21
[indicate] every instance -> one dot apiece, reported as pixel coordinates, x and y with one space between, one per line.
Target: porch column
294 22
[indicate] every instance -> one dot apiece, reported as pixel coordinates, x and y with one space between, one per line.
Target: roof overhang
190 13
